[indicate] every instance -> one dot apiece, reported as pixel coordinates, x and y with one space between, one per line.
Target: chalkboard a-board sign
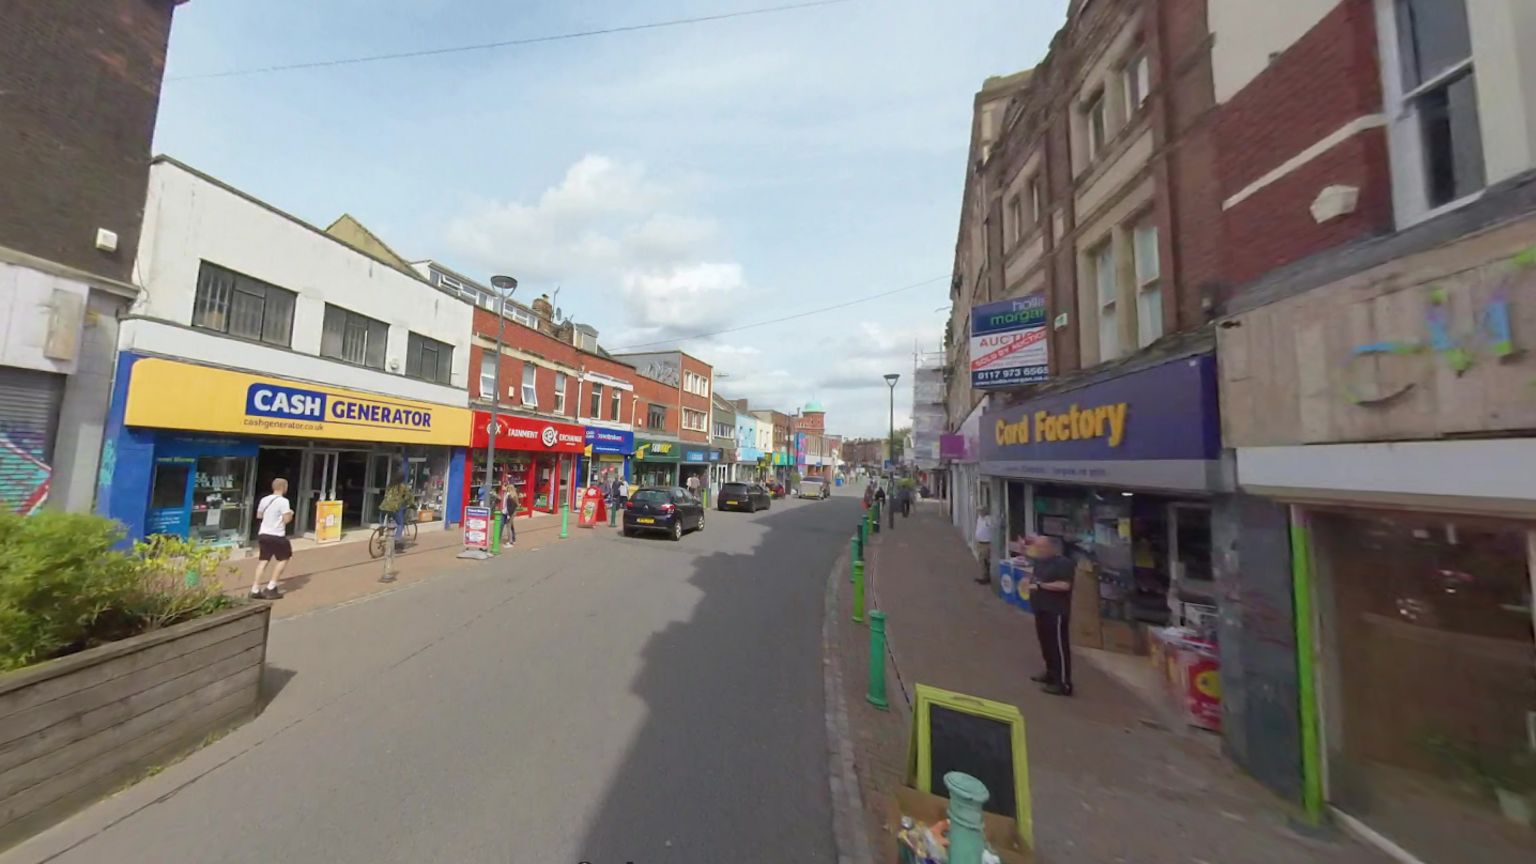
955 732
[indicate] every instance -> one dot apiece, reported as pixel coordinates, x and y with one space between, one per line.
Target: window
240 306
1149 292
616 398
1435 54
428 359
1109 322
597 402
559 392
488 377
530 385
656 417
1098 124
1036 204
1015 220
353 338
1136 77
524 317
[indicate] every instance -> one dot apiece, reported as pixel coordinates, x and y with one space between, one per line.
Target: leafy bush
65 587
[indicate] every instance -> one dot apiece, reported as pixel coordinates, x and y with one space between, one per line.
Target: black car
667 509
744 496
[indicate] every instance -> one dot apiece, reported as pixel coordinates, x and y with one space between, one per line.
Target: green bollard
876 694
565 519
966 795
858 596
875 522
496 534
853 555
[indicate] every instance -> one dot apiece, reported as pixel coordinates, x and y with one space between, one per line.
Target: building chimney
544 311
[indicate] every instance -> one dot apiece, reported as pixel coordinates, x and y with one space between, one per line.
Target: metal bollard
875 522
496 534
966 796
891 516
565 519
389 554
876 694
858 593
854 556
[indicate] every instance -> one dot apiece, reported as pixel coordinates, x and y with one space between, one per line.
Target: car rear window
733 487
653 496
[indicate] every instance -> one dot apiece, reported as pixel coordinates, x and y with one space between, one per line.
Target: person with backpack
398 500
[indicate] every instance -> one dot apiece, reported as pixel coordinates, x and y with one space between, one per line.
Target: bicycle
385 532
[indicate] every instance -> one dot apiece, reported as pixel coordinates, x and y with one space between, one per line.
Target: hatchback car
744 496
669 510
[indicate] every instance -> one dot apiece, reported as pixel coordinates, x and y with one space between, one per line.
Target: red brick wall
693 402
654 392
79 90
543 345
1324 80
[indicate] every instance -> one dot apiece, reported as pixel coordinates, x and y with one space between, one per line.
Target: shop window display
1429 693
220 499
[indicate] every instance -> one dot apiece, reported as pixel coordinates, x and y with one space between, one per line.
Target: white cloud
681 301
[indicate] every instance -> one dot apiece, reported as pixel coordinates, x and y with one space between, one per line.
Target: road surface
603 699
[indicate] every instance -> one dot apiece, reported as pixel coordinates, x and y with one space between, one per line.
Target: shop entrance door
320 470
1189 562
379 479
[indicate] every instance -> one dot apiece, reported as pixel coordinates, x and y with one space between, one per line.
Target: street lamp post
890 498
505 286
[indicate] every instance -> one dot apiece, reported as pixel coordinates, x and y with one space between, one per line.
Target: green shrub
65 587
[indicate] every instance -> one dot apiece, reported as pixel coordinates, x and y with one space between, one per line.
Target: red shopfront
537 456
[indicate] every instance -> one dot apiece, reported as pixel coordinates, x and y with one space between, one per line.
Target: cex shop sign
529 433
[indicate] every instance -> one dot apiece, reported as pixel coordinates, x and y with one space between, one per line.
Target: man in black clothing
1051 600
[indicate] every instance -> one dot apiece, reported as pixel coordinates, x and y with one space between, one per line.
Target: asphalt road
608 700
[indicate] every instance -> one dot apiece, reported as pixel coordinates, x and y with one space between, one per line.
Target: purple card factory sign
952 446
1153 428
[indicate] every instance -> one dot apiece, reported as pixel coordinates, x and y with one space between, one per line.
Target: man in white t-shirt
983 539
272 539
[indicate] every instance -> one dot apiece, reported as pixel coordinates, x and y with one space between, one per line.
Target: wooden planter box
79 727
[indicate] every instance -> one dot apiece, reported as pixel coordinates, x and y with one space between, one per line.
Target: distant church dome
813 407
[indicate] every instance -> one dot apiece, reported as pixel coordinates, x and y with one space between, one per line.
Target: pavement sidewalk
323 576
1111 779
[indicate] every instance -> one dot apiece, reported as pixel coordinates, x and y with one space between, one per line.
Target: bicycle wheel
376 543
410 531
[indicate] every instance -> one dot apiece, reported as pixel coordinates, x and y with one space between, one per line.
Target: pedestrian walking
983 540
511 502
693 485
869 494
1050 597
904 497
275 514
616 498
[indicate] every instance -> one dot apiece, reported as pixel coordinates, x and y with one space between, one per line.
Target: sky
670 183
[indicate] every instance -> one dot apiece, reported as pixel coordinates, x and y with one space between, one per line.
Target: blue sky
670 182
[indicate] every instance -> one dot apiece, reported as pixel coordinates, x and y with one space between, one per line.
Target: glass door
1189 564
320 473
380 466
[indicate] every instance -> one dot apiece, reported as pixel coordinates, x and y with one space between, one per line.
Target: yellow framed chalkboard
985 739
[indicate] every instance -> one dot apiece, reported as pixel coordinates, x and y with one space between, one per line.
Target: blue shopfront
1123 471
609 452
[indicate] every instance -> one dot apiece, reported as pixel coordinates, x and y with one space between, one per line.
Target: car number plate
646 520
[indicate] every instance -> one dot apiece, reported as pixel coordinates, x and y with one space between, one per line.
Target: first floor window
1106 289
616 396
597 402
235 304
656 417
353 338
428 359
1149 294
488 377
1434 45
531 385
559 392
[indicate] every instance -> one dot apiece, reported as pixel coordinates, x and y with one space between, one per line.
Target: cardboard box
1002 833
1124 637
1085 608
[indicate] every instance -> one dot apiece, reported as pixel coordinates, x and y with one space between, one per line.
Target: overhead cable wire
505 43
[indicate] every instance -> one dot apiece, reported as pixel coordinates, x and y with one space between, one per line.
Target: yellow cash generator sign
164 394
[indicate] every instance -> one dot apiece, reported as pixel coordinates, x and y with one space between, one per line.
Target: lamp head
891 378
505 284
